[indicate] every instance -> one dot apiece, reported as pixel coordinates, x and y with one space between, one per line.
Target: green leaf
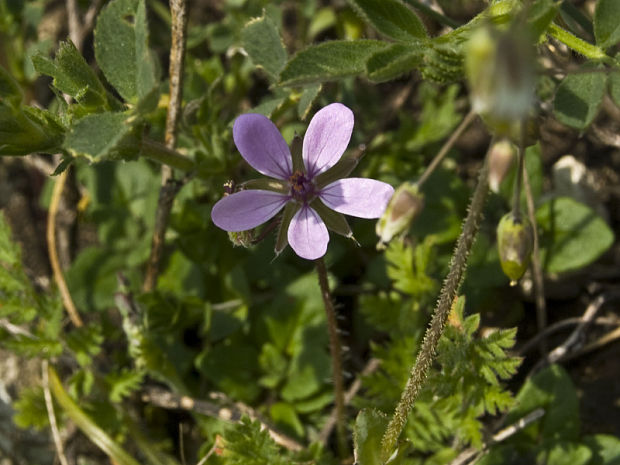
284 414
606 24
86 424
9 88
123 383
552 390
540 14
614 87
308 96
121 49
261 40
99 136
573 235
329 61
578 98
72 75
369 428
391 18
606 449
393 61
565 453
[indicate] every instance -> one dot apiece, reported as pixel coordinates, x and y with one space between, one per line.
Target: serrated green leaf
98 136
72 75
578 98
123 383
606 24
85 342
573 235
394 61
121 49
329 61
391 18
261 40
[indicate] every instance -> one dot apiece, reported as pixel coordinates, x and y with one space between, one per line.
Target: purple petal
327 138
307 234
364 198
262 145
246 209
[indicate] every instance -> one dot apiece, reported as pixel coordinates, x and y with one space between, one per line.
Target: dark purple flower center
302 189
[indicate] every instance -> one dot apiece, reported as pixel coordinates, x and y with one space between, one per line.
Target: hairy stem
446 147
516 194
335 349
578 45
169 188
433 333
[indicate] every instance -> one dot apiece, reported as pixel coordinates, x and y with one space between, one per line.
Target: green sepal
267 184
340 170
290 210
333 220
297 154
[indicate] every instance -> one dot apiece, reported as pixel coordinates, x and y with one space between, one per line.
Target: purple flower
308 182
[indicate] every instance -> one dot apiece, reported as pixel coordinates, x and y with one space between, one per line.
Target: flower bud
404 206
500 70
500 161
514 243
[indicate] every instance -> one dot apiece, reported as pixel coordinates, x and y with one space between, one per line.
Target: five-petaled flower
307 182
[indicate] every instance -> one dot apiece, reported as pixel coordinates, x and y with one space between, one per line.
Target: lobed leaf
72 75
261 40
329 61
121 49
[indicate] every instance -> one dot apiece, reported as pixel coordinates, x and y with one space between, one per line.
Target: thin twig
573 342
370 367
169 188
335 349
446 147
602 321
465 456
232 412
537 273
49 405
600 342
448 293
53 253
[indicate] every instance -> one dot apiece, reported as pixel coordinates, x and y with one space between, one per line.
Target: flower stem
578 45
448 293
516 195
336 354
162 154
446 147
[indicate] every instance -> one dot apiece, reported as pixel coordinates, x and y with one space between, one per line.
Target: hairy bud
500 71
404 206
514 242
